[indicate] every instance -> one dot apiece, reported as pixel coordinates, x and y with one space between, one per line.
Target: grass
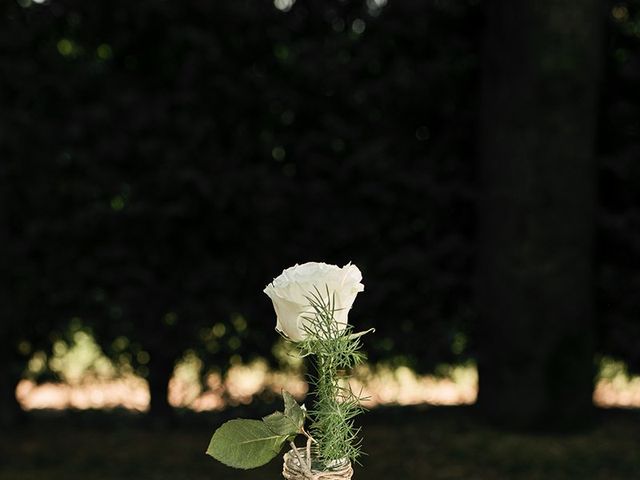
402 444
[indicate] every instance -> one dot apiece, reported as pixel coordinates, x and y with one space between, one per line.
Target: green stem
332 352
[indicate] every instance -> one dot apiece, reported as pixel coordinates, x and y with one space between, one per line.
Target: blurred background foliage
163 161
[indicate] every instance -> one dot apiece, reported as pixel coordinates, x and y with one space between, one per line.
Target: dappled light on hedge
245 383
87 379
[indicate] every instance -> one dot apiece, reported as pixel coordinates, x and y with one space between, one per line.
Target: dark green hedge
162 161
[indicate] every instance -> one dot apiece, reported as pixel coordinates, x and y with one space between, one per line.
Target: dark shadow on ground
401 443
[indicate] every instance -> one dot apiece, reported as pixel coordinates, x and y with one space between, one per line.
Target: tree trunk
537 211
10 411
160 372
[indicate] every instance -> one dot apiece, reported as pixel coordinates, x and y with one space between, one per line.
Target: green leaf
290 422
280 424
292 410
245 443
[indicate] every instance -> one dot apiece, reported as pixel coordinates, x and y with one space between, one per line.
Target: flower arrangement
312 303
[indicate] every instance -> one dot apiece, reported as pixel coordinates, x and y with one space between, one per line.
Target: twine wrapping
296 467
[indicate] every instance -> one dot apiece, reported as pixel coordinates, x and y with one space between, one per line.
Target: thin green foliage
335 351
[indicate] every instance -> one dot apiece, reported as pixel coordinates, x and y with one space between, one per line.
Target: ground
402 444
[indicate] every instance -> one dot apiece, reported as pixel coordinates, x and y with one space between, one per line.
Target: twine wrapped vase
297 467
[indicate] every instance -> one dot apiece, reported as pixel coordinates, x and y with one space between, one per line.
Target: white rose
289 293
